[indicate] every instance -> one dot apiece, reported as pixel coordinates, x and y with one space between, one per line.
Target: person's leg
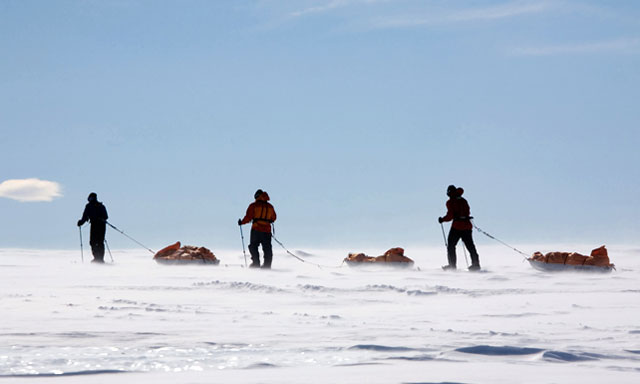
452 241
267 250
253 248
98 252
96 240
467 239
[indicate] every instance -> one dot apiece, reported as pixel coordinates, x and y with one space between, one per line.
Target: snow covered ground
136 321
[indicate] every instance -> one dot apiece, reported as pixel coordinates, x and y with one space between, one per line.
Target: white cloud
30 190
628 45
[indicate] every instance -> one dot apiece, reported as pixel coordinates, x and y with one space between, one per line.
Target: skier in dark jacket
262 214
96 213
458 210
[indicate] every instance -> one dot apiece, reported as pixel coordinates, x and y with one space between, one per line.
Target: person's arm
85 216
248 216
449 215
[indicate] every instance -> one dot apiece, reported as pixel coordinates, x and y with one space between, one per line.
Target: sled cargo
597 261
174 254
393 257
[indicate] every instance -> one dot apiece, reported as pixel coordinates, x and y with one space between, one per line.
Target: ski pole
443 235
243 251
465 254
108 249
81 250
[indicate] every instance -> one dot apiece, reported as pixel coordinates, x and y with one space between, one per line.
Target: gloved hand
440 220
239 221
80 223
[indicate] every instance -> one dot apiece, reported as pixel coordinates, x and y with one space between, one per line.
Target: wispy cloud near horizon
30 190
501 11
622 45
496 12
330 5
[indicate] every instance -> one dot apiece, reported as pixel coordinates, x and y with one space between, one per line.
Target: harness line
526 256
131 238
303 260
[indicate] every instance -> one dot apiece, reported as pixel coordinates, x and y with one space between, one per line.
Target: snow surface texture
136 321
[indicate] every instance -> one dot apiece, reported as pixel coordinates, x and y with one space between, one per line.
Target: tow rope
136 241
525 255
303 260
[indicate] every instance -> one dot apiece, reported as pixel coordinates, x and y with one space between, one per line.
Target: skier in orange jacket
262 214
458 210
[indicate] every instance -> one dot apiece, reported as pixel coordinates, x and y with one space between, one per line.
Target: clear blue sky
354 115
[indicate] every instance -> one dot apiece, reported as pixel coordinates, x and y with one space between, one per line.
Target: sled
598 261
553 267
391 264
174 254
186 261
394 257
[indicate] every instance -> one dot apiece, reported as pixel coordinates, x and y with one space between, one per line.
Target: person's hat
258 193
